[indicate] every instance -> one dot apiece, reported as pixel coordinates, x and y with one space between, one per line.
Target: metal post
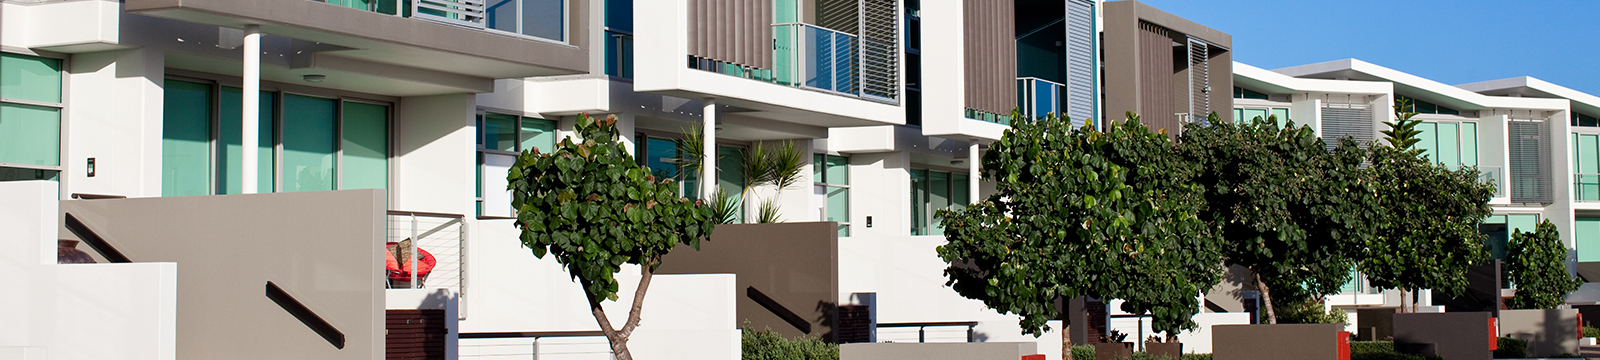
922 334
251 104
708 162
535 348
414 253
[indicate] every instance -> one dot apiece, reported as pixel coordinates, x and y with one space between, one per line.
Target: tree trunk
1266 298
1066 341
619 338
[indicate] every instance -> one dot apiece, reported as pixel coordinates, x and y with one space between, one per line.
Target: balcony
1039 97
1586 187
487 39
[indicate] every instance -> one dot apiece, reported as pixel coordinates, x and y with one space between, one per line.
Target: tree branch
619 343
1266 297
638 296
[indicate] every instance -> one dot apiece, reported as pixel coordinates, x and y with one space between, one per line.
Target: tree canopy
1286 207
1536 264
592 207
1082 212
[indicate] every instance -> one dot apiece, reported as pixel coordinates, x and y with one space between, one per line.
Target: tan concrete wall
1268 342
795 264
936 351
1548 332
319 247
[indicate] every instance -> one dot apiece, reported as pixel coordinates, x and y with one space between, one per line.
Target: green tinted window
500 132
20 174
1469 144
185 139
30 78
1588 238
230 157
832 174
366 146
538 134
308 143
730 175
30 134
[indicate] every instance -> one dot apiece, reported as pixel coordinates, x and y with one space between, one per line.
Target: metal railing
1494 176
1585 187
545 345
922 329
441 238
469 13
1038 97
814 57
619 54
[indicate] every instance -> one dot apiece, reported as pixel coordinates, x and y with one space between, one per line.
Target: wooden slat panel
990 68
415 334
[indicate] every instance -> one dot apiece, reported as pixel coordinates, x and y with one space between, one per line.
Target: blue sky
1453 42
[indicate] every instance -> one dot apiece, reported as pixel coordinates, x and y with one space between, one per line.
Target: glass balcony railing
814 57
619 54
1586 187
1491 175
1038 97
543 19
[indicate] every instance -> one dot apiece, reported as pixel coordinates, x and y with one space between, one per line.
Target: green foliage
1403 133
1591 332
1427 235
1536 263
1287 208
1083 352
691 153
768 345
768 212
1081 212
724 207
1358 347
1195 357
1310 312
593 208
1510 348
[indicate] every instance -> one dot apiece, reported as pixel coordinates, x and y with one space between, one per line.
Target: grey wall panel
937 351
322 248
989 34
1158 89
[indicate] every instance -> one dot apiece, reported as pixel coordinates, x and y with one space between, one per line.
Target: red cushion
395 270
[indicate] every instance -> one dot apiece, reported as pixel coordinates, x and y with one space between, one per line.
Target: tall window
318 144
932 191
30 118
619 38
1454 144
537 18
1579 119
1424 107
831 175
501 138
1247 115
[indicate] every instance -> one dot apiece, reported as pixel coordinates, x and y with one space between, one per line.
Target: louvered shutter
1347 120
1081 61
1530 183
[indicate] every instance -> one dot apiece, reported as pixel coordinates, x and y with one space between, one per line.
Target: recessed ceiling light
315 78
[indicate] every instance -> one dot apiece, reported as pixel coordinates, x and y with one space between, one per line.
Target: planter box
1453 336
1273 342
1171 350
1548 332
1113 351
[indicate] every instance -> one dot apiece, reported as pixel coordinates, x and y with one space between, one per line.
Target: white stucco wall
114 114
78 311
437 155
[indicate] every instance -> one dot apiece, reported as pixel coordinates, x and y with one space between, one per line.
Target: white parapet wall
76 311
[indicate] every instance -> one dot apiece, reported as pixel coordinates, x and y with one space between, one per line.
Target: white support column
708 166
251 100
973 176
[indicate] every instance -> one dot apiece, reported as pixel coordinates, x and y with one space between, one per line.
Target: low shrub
768 345
1310 312
1361 347
1509 348
1196 357
1083 352
1590 331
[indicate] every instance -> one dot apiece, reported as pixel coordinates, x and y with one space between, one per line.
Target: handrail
83 196
94 240
922 328
425 213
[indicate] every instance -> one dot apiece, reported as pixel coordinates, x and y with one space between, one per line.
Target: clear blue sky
1453 42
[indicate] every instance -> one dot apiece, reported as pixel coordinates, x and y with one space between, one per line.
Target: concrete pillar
708 166
973 176
251 100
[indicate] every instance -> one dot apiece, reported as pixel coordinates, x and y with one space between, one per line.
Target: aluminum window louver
1081 64
1347 120
880 51
1199 79
1528 140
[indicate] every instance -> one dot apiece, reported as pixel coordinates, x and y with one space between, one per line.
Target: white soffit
1430 90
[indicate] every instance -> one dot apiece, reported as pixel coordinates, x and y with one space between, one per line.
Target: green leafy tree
1081 212
1427 235
1289 210
592 207
1536 265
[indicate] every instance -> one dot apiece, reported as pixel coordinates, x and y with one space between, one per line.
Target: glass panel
30 78
496 199
1469 144
185 139
1238 116
1522 222
839 208
838 170
938 199
1282 114
366 146
1353 285
1587 161
619 15
784 53
817 165
1429 134
230 156
32 134
730 175
538 134
20 174
501 15
960 191
784 11
1252 115
308 143
1495 227
544 18
1588 238
1449 153
919 202
500 132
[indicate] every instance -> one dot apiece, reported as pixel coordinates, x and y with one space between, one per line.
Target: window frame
927 206
1460 148
279 92
828 186
481 149
63 113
